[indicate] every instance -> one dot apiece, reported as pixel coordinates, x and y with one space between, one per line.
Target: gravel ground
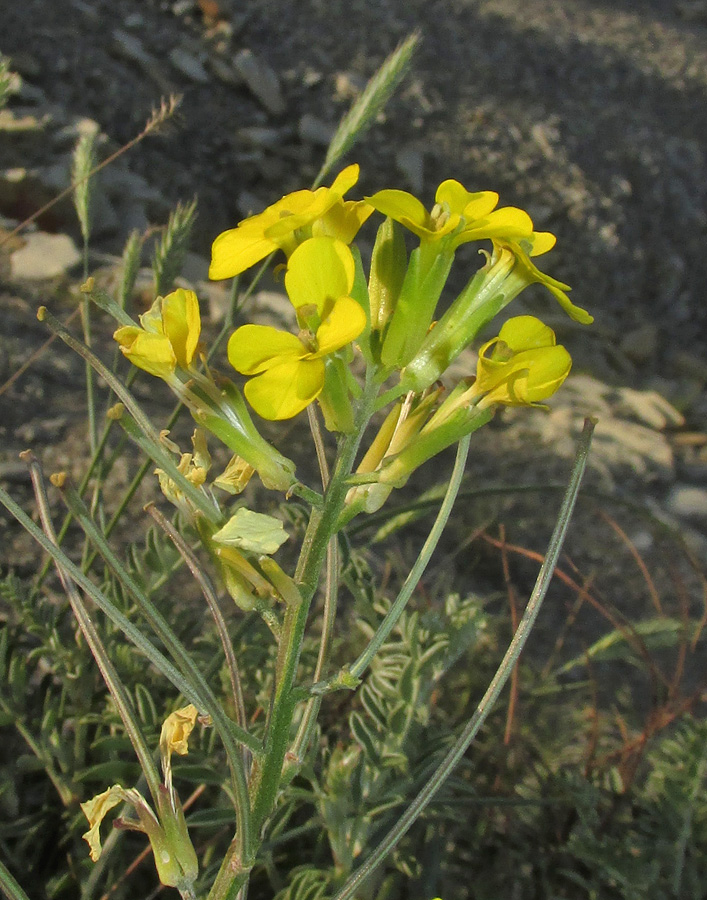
590 115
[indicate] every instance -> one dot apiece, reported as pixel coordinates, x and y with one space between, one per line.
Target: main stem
266 776
308 575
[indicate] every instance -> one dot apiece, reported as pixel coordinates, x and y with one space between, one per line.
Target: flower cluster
345 322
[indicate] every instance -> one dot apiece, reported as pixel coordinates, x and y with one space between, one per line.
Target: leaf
364 736
655 633
252 531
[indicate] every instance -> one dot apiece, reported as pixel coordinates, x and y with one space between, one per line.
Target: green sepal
481 300
235 428
388 266
421 289
334 399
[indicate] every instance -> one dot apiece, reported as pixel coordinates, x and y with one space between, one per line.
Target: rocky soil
591 116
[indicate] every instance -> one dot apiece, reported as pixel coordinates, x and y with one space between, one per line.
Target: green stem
497 684
417 571
228 730
308 574
9 886
110 676
207 589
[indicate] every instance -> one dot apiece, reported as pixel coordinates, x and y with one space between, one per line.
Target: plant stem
415 574
497 684
110 676
308 574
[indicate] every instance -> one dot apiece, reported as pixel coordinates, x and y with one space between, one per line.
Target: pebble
260 136
688 502
641 344
315 131
43 256
188 65
130 48
261 80
410 163
223 71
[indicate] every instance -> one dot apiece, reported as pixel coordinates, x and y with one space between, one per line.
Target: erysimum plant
361 349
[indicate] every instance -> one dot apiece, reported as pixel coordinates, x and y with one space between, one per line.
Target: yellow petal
254 348
235 476
151 352
152 319
345 180
181 323
238 249
529 377
464 203
343 324
320 270
343 220
526 333
507 223
403 208
174 737
540 242
308 206
286 388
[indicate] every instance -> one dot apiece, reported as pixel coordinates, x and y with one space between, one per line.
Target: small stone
641 344
134 21
348 85
647 408
188 65
410 162
223 71
688 502
311 77
43 256
130 48
261 79
260 136
182 7
315 131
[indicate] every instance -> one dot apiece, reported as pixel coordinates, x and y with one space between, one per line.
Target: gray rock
222 70
314 130
688 502
410 163
641 344
43 256
261 80
260 136
188 65
129 47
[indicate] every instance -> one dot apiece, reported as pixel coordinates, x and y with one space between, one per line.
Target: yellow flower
175 859
522 366
508 271
536 244
290 370
287 223
169 335
460 214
